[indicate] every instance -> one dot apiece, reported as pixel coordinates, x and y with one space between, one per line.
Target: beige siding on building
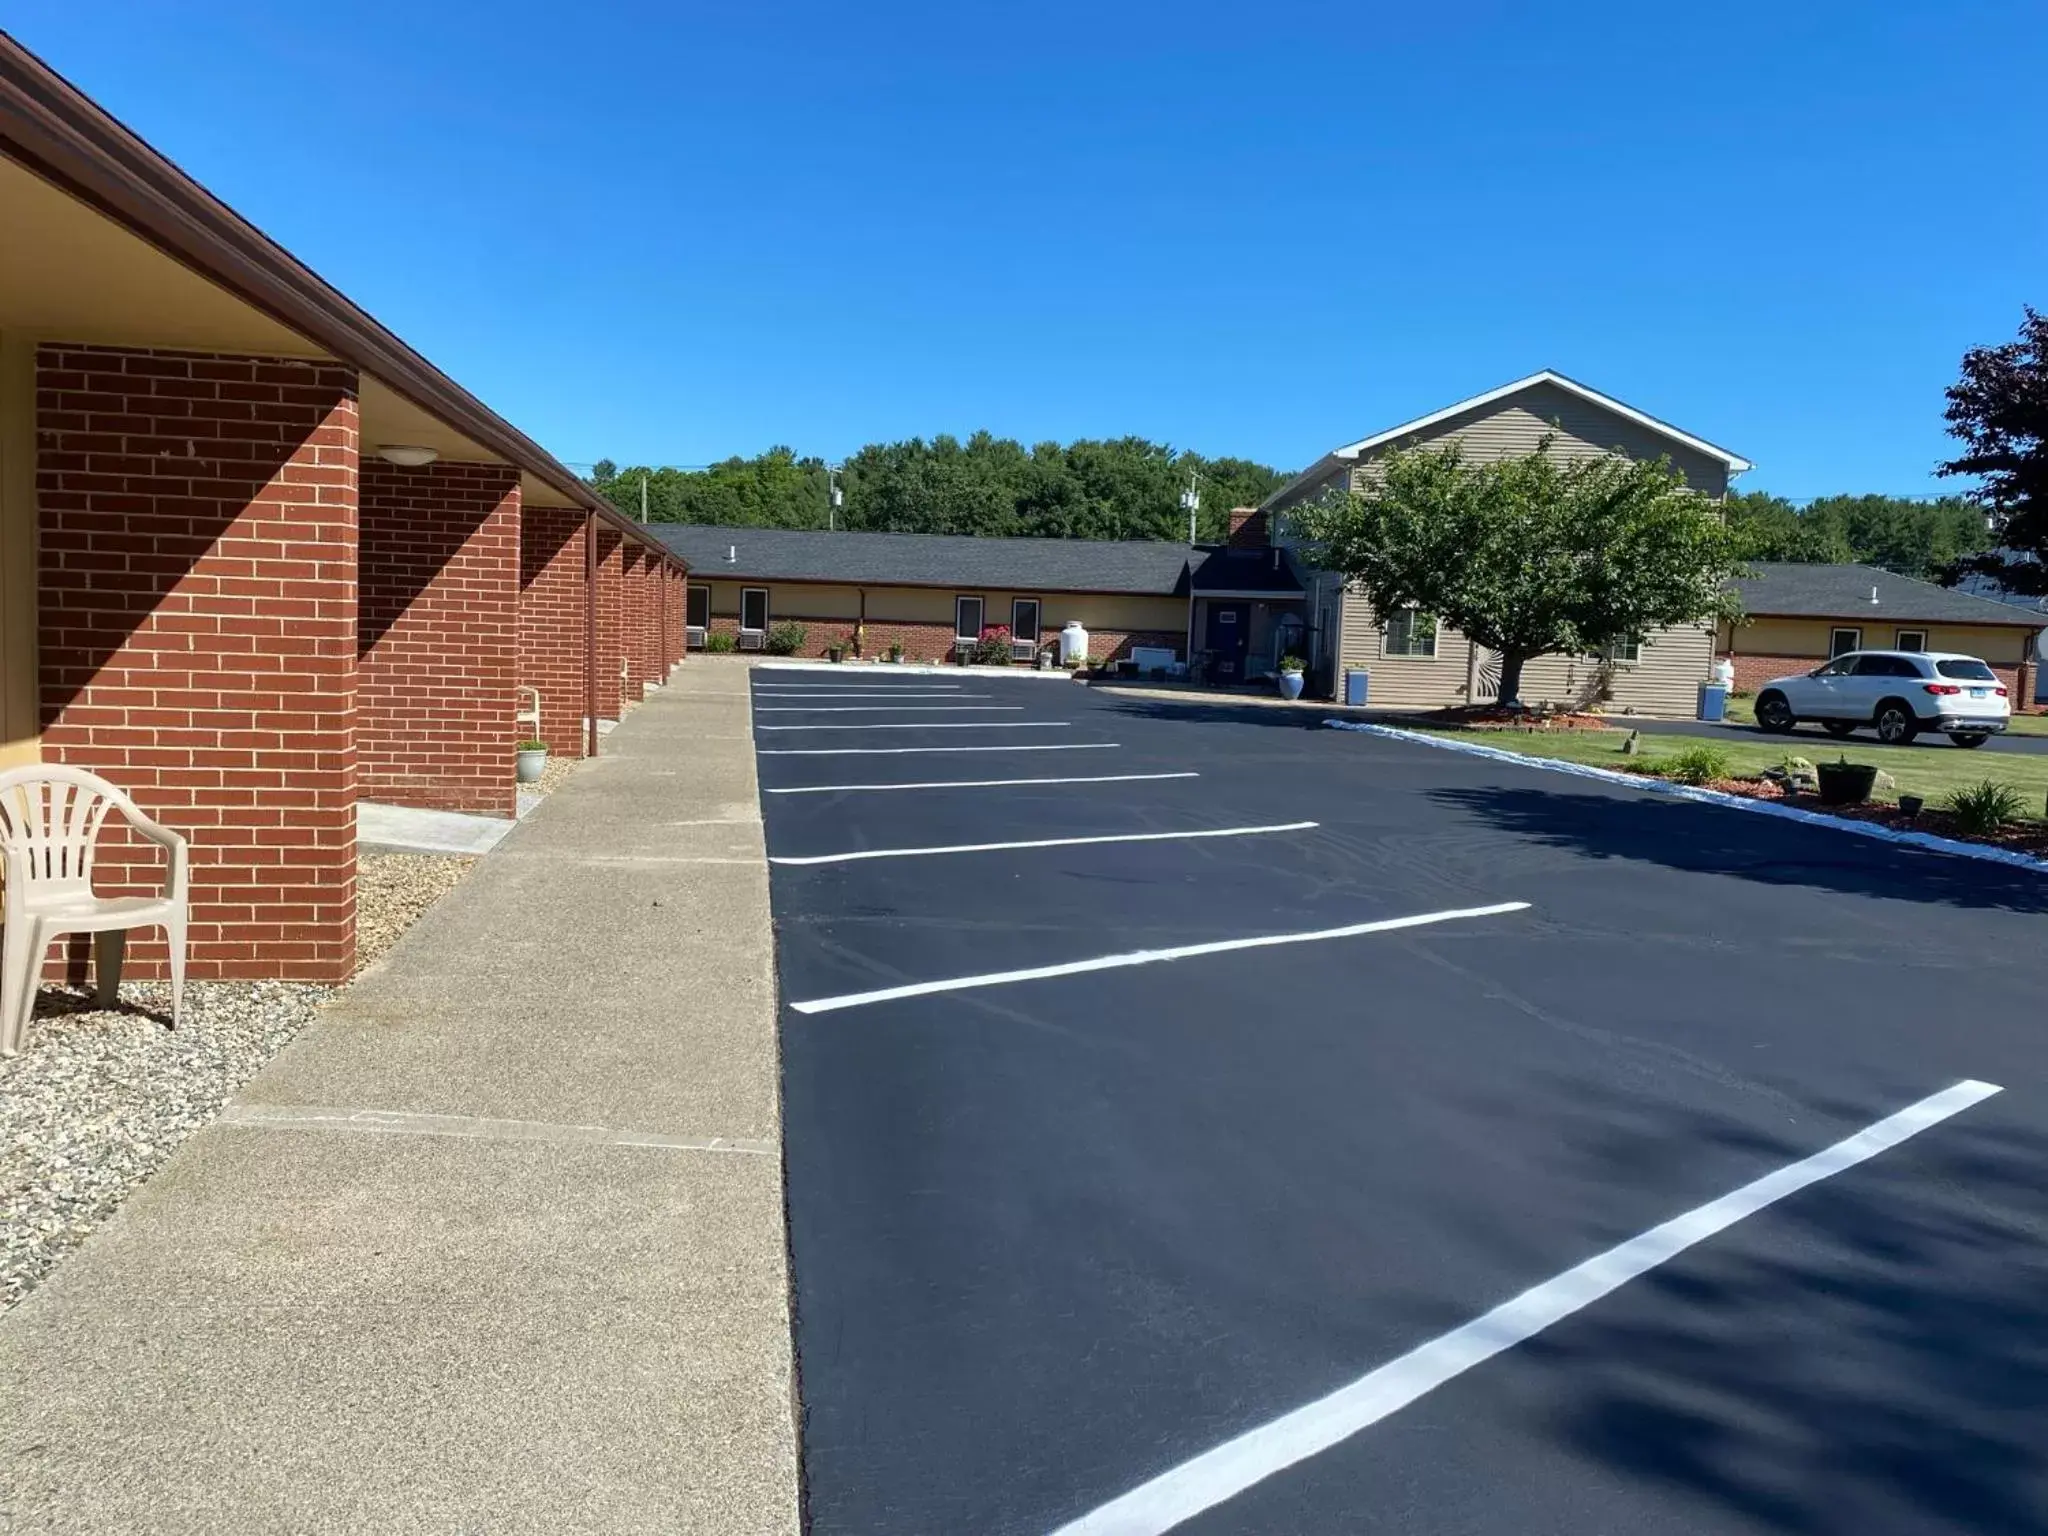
805 602
1513 427
1673 664
1998 644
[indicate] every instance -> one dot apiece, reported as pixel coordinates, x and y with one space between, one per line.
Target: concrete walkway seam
1926 841
321 1117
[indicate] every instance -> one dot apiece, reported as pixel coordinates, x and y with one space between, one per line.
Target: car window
1975 671
1885 666
1841 666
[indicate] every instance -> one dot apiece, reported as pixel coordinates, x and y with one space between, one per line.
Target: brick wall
197 636
647 666
552 621
438 635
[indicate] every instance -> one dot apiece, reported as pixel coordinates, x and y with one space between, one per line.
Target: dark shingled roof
1248 570
1790 589
930 560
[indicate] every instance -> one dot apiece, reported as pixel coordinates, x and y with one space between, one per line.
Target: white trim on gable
1736 464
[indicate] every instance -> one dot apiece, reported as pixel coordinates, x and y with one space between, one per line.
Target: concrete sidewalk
497 1244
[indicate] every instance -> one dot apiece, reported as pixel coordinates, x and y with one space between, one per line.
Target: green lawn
1931 772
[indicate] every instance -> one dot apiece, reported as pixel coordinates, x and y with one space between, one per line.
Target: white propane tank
1724 673
1073 644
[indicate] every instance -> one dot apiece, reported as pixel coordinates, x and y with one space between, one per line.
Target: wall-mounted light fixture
406 456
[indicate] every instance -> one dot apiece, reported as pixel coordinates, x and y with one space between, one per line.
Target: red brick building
259 559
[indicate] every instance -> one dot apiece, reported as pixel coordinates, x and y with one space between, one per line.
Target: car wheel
1969 739
1896 725
1774 715
1838 727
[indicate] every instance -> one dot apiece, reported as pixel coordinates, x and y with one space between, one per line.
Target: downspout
590 635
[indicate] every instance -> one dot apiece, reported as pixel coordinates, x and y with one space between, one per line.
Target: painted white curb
1883 834
908 669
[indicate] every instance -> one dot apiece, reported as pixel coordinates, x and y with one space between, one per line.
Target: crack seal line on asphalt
1105 778
1044 842
1149 957
1218 1475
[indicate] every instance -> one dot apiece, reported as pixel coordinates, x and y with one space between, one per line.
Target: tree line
1130 488
1117 488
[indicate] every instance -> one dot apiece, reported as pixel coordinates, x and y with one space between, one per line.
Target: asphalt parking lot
1662 1202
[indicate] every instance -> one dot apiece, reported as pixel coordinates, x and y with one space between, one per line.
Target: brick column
650 628
611 629
438 639
633 623
677 642
551 627
196 633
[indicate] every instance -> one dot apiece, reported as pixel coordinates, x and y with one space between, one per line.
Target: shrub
1986 806
786 639
1698 764
720 644
993 648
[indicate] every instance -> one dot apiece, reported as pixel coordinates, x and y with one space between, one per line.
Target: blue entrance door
1228 636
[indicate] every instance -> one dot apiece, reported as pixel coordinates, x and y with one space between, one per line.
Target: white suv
1902 693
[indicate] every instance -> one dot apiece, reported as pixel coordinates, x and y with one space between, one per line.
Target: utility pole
1191 503
643 498
834 498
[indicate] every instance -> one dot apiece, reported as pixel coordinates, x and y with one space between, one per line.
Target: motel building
261 562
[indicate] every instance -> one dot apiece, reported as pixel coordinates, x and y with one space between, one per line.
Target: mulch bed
2029 837
1490 717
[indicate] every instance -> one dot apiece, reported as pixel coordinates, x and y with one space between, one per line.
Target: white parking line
932 725
883 709
1106 778
1064 746
1146 957
1209 1479
1044 842
869 693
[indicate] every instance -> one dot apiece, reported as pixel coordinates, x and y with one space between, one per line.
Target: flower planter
1845 783
1290 685
533 761
1911 806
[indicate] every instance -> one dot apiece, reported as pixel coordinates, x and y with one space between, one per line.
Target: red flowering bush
993 649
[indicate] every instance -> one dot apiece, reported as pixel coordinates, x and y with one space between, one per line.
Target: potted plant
1845 783
533 761
1911 806
1291 668
835 652
896 653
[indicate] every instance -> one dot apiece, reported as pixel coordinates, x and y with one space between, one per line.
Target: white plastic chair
50 820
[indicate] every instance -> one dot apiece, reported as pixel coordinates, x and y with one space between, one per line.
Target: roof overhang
1735 462
107 241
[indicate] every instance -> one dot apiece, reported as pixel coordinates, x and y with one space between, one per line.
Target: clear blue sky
673 233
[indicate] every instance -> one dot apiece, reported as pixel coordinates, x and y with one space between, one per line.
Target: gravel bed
557 770
97 1099
392 890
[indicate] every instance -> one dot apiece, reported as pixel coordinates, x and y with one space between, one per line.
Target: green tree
1913 538
1998 409
1529 556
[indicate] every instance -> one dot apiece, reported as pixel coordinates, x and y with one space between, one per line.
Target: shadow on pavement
1869 1355
1705 839
1247 712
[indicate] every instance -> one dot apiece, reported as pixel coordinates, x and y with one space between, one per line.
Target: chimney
1247 528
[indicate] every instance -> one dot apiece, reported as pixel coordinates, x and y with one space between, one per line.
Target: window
1842 641
1875 665
967 619
1911 640
1623 653
700 608
1841 666
1024 621
1409 632
753 610
1966 667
